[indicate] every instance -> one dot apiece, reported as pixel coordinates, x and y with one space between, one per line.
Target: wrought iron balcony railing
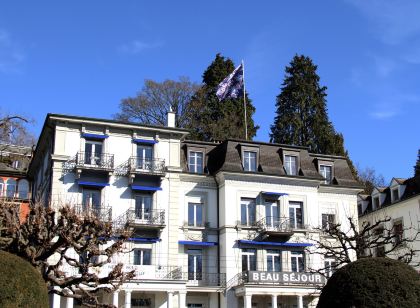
103 213
146 165
90 160
270 223
205 279
140 218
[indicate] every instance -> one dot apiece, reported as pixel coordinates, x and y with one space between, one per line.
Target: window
328 221
16 164
249 259
250 161
144 157
398 232
329 267
296 215
23 189
290 164
247 212
271 213
359 208
395 195
380 250
10 188
273 260
297 261
141 302
91 200
195 162
195 264
1 187
93 152
195 214
376 203
326 172
143 207
142 256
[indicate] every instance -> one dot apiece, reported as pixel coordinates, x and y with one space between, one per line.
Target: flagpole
246 125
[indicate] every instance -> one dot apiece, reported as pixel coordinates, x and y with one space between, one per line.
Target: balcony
103 213
139 165
279 278
205 279
92 161
276 227
141 219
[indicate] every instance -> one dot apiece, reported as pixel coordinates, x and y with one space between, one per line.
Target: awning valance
94 136
285 244
145 188
92 184
197 243
145 141
273 194
144 239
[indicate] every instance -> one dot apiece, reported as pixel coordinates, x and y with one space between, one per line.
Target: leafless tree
345 245
152 103
370 179
67 248
13 130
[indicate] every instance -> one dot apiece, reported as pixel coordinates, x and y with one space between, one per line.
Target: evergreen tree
417 166
301 115
217 120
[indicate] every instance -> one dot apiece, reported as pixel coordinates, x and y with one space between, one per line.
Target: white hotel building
214 224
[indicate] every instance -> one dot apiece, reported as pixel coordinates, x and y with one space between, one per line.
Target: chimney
170 121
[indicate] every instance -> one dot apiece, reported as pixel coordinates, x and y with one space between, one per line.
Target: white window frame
272 254
93 160
196 254
322 171
288 164
195 222
295 205
294 256
193 168
14 185
248 253
328 221
397 198
248 203
251 167
329 268
141 256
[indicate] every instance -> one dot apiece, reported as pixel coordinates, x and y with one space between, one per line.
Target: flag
232 85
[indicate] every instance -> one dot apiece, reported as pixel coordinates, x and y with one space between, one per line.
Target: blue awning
274 194
93 184
196 243
286 244
94 136
144 239
145 188
145 141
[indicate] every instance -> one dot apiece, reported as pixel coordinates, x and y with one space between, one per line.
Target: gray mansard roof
226 157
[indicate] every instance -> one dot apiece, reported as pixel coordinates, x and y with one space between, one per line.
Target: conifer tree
417 166
217 120
301 115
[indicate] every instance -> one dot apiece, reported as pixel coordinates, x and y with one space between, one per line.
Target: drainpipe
218 236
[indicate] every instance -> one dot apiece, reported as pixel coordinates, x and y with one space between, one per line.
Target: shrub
21 285
372 282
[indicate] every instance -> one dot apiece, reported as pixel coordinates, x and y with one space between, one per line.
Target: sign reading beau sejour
285 277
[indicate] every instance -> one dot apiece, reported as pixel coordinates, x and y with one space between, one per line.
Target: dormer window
290 164
326 172
250 161
395 195
195 162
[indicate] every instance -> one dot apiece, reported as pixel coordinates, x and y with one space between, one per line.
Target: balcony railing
270 223
139 218
146 165
90 160
205 279
103 213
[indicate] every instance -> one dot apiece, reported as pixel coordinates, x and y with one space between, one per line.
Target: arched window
23 189
1 187
10 188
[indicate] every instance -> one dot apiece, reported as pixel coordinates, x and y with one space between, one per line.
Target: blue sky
83 57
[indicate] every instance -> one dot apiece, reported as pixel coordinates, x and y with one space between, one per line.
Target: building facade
225 224
14 185
399 203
